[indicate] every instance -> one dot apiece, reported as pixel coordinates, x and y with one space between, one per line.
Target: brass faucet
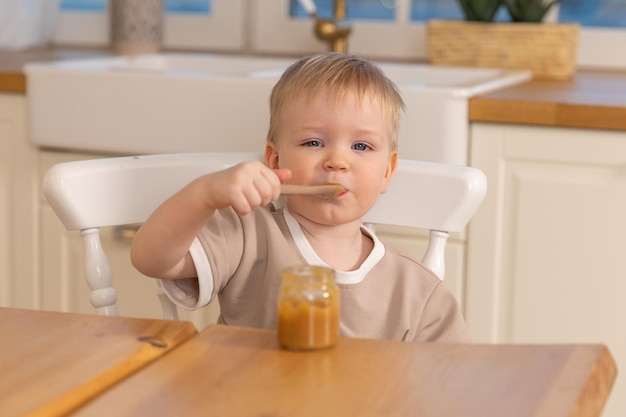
335 31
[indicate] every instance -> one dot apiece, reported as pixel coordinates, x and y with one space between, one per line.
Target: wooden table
50 363
230 371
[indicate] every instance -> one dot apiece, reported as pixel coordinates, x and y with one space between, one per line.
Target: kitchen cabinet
547 249
18 211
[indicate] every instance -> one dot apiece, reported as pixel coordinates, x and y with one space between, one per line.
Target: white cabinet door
18 208
5 200
63 283
547 250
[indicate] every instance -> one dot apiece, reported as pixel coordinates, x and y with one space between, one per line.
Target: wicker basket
548 50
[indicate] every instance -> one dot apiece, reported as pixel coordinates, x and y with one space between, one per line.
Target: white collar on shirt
343 277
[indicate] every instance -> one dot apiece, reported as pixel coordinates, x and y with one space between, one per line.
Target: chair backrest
88 195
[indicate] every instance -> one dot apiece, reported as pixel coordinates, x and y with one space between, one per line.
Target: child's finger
284 174
241 205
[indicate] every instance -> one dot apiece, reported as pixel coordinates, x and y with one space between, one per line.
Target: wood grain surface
593 99
230 371
51 363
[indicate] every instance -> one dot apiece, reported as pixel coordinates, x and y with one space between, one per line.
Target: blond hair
339 75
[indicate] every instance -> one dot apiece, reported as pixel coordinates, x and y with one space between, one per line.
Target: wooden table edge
153 348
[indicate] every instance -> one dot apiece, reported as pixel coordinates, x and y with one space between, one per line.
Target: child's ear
391 168
271 155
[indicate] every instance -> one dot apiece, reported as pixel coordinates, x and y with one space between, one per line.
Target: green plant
519 10
528 10
480 10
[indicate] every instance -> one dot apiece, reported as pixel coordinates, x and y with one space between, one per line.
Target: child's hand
245 186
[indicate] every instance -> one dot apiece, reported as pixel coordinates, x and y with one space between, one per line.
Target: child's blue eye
313 143
360 147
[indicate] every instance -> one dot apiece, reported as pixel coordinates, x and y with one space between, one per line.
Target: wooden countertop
592 99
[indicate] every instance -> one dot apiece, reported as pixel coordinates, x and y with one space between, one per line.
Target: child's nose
336 159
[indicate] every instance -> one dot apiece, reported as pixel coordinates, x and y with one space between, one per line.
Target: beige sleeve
442 320
192 293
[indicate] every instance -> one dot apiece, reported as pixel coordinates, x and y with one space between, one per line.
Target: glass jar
308 308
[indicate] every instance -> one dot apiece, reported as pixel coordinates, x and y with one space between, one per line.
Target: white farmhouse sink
202 102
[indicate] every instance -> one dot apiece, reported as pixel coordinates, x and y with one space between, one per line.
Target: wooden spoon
323 191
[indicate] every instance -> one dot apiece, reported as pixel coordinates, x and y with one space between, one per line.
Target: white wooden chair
88 195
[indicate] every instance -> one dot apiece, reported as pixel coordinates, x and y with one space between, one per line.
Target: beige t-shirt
239 259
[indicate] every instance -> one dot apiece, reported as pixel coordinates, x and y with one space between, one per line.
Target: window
381 29
83 5
603 33
361 9
171 6
189 24
392 37
602 13
404 36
